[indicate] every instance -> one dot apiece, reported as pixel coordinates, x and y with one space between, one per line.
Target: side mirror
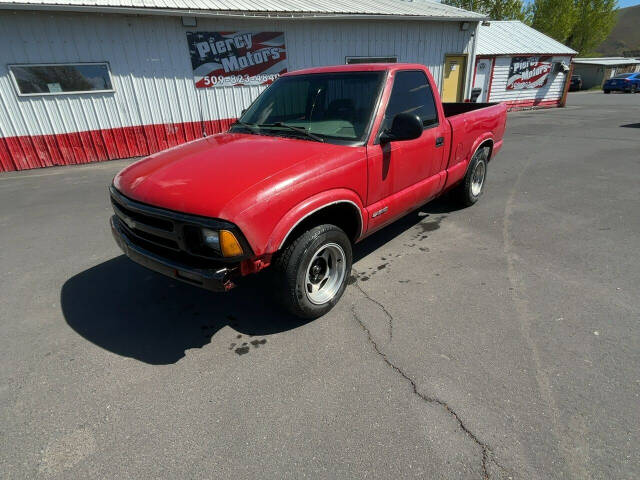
405 126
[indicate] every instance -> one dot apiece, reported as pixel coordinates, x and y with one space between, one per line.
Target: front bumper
216 280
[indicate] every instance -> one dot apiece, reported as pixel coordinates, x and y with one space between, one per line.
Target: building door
483 78
454 73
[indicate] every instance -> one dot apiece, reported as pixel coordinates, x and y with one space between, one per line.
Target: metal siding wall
551 92
314 43
155 104
592 75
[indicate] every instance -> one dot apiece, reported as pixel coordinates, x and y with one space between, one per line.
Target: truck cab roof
358 67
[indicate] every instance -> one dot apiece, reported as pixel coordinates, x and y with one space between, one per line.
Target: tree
594 20
580 24
494 9
555 18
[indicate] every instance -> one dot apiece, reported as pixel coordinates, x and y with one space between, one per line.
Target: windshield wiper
302 130
251 126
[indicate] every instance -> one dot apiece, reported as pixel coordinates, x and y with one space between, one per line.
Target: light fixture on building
464 26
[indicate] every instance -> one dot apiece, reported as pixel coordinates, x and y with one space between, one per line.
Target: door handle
439 141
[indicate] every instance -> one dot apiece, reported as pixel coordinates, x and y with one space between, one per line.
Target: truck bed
453 109
470 122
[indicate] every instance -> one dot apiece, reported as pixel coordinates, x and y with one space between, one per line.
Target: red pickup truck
321 159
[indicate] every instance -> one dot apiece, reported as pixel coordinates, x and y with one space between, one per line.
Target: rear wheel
472 186
312 271
607 91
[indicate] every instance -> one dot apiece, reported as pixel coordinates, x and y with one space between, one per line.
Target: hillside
625 35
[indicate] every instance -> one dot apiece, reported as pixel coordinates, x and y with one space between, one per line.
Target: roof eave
232 14
519 54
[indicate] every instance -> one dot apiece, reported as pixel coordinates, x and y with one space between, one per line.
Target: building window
61 78
353 60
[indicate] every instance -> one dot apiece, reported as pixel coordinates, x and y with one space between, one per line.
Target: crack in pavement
382 307
487 453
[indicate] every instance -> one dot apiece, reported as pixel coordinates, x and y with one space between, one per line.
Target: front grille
146 219
172 235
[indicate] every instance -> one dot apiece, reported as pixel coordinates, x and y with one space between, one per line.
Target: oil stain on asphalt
246 346
420 235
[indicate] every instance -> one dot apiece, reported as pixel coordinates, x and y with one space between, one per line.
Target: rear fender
310 206
486 138
456 173
479 141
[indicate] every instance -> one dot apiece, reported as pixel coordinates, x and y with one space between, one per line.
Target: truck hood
202 176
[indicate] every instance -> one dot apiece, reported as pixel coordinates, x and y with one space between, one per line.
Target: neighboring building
84 81
520 66
595 71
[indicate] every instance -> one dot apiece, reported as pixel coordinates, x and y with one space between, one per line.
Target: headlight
222 241
211 239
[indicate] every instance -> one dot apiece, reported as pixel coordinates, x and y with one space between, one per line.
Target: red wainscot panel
37 151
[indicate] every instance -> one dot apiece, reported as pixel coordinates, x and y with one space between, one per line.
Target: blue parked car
625 82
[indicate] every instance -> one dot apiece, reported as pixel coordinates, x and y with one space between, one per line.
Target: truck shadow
136 313
131 311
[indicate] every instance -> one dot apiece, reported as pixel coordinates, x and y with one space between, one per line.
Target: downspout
567 84
472 63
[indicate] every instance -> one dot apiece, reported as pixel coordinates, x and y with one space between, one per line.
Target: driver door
406 174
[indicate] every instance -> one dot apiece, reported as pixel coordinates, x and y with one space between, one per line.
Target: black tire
294 262
466 193
607 91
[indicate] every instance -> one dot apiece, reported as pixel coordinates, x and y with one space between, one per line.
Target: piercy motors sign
236 58
528 72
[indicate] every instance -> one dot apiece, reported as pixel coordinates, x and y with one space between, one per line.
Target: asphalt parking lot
500 341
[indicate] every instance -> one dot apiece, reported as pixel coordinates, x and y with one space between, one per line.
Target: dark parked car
625 82
576 83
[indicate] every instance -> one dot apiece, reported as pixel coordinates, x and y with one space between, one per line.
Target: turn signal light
229 244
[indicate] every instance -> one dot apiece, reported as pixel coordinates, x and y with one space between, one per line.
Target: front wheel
472 186
312 271
607 91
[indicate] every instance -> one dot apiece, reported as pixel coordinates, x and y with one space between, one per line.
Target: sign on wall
236 58
528 72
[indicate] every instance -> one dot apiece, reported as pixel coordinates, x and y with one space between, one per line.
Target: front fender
309 206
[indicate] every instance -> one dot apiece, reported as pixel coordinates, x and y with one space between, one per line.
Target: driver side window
411 93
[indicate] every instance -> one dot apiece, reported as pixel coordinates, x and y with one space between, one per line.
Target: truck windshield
333 107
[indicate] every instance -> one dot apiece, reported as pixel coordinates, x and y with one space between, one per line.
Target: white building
84 81
518 65
595 71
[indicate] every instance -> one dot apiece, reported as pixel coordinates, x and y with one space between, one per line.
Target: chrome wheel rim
477 179
325 273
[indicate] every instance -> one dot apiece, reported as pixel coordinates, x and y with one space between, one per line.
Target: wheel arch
482 142
342 208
